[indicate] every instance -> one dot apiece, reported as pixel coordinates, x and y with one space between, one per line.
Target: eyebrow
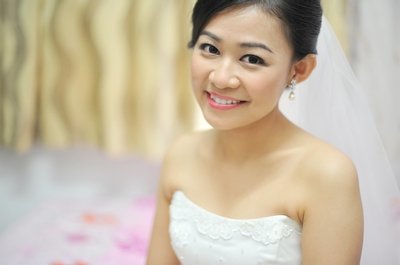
255 45
242 45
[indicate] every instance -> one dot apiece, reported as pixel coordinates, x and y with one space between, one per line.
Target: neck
253 141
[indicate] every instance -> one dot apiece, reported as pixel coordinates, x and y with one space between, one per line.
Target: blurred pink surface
72 232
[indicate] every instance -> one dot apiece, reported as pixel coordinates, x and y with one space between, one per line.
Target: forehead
249 23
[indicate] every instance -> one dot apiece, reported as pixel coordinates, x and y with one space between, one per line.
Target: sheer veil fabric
332 105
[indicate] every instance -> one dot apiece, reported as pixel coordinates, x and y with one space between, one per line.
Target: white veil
332 106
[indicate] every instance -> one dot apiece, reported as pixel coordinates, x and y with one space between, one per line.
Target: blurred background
92 92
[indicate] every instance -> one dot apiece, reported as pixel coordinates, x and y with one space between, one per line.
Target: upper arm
160 249
333 218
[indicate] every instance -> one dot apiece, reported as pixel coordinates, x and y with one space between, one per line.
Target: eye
253 59
208 48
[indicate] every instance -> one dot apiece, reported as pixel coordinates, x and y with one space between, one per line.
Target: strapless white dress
200 237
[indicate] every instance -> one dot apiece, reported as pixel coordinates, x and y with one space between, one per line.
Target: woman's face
241 64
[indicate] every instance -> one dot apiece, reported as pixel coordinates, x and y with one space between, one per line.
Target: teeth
224 101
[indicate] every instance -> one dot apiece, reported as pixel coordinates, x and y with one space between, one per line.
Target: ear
303 68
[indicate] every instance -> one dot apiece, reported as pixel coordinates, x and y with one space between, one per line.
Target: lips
222 102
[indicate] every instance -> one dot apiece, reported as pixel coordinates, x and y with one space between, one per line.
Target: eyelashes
208 48
212 50
253 59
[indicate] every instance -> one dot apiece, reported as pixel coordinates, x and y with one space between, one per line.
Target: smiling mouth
224 100
223 103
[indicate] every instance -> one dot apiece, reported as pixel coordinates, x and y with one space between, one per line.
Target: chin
223 124
218 124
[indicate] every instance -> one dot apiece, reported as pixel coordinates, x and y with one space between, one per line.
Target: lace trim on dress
266 230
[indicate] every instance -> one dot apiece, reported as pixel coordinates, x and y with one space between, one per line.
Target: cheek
269 84
199 72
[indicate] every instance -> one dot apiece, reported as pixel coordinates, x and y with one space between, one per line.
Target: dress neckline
181 194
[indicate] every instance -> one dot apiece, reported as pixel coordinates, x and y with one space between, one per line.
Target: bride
277 180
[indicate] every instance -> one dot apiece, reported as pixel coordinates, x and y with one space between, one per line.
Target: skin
254 154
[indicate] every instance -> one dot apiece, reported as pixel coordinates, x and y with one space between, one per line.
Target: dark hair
301 19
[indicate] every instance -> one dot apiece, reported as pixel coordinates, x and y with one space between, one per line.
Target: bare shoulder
175 166
180 159
185 148
329 180
327 167
331 199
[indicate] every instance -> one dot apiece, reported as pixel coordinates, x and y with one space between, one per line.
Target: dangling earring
292 87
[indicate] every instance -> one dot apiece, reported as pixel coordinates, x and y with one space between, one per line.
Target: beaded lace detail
265 230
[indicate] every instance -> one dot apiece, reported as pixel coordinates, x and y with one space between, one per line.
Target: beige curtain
110 74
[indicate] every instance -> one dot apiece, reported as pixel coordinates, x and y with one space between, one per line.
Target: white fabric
331 104
200 237
375 58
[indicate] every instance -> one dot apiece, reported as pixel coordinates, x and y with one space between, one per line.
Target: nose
223 76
